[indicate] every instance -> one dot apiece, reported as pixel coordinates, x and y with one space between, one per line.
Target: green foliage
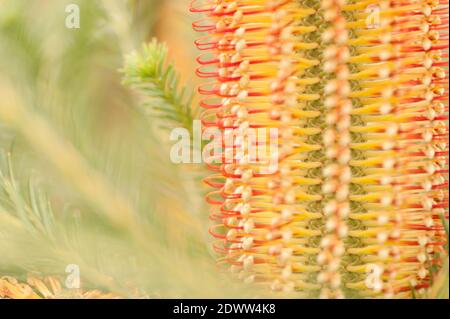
149 73
34 212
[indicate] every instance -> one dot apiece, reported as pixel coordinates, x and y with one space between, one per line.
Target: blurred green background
85 172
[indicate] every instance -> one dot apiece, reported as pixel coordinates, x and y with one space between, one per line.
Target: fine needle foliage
149 73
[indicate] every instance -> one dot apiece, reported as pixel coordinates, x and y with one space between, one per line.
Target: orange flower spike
357 91
12 289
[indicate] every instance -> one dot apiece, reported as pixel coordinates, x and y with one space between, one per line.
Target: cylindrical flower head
349 99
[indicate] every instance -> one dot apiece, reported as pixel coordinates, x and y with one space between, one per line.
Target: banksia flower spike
355 95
